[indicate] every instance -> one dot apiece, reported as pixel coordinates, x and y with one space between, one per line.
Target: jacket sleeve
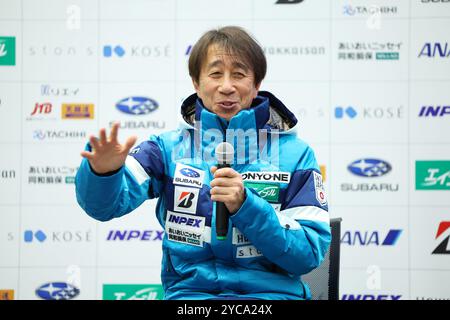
104 197
297 237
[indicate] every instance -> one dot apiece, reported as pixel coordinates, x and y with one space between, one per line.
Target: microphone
224 156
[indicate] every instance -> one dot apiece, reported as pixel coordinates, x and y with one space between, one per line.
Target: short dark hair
235 41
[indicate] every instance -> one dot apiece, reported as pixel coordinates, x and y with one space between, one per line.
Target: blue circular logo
369 168
137 105
57 291
189 173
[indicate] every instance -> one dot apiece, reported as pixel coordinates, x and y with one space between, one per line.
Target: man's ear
196 86
257 89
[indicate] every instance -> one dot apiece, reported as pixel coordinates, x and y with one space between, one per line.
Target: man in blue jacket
278 224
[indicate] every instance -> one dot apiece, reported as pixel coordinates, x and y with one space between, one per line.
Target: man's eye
215 74
239 74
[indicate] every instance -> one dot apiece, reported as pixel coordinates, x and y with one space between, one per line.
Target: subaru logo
57 291
369 167
189 173
137 105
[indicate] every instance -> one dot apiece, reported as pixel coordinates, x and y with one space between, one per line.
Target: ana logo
369 167
189 173
133 292
38 235
137 105
437 49
340 112
109 50
433 175
186 199
7 51
444 245
434 111
366 238
57 291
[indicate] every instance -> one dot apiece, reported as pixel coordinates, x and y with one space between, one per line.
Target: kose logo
109 50
369 167
436 49
443 247
371 113
137 105
39 235
129 235
57 291
57 236
434 111
370 238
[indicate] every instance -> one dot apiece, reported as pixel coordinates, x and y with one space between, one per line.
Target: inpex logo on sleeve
188 176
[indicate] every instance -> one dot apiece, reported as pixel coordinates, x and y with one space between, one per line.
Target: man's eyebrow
236 64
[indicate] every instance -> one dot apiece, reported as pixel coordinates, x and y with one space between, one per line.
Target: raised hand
107 153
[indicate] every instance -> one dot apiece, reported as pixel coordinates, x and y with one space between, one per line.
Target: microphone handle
222 215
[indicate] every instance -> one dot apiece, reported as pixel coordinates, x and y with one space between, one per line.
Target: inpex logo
57 291
137 105
435 50
288 1
434 111
371 297
370 238
369 167
189 173
129 235
184 221
444 245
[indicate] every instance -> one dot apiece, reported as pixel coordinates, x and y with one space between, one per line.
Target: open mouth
227 104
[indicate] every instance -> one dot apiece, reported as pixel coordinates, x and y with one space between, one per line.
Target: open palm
107 153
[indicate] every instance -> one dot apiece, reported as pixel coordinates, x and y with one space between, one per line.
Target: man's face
226 85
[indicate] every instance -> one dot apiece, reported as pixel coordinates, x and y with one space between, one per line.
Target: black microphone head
224 153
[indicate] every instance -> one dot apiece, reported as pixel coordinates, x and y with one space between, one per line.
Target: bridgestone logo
283 177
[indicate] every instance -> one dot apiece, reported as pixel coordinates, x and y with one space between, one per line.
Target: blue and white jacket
280 232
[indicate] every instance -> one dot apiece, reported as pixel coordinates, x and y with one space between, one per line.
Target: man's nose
227 85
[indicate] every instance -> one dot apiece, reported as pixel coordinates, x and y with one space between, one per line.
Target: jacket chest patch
188 176
267 191
185 199
280 177
185 228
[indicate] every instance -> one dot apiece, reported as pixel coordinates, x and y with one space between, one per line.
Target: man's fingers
102 136
226 172
225 182
94 142
129 143
114 131
88 155
213 169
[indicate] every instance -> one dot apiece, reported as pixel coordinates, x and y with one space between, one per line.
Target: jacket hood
269 111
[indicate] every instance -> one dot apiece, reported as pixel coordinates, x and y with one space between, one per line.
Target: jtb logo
366 238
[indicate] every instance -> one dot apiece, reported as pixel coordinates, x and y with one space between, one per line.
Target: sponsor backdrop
369 81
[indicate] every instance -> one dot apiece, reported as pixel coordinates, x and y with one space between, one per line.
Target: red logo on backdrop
443 247
42 108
